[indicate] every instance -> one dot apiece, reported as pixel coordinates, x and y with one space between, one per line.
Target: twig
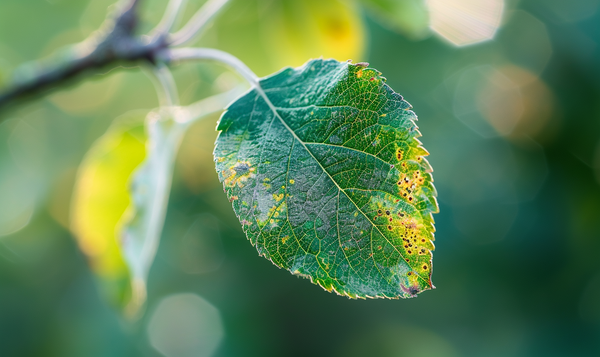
172 12
200 19
165 85
116 44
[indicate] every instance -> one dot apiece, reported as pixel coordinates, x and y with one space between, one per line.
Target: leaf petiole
193 53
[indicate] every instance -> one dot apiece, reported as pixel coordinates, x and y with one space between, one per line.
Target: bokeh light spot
516 102
508 101
526 42
465 22
185 325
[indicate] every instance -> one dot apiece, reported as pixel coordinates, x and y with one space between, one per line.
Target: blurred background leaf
271 34
409 17
101 196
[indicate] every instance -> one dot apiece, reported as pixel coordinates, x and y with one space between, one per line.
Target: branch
115 43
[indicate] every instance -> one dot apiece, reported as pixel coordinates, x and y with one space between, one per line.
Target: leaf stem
173 10
198 22
192 53
165 85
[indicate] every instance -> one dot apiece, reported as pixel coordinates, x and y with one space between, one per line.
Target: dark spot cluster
389 215
408 185
399 154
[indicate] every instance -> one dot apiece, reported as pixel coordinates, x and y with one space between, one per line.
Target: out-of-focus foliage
100 198
409 17
517 241
121 195
268 35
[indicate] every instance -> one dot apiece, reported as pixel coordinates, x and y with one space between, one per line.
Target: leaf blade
320 125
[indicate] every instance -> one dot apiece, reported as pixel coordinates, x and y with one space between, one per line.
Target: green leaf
325 172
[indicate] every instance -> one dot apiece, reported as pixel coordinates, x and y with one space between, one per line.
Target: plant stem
173 10
190 53
165 85
198 22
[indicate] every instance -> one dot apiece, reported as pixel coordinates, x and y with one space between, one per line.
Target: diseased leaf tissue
325 172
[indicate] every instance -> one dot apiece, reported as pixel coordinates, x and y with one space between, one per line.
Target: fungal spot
401 214
372 79
379 247
238 173
241 168
409 273
410 198
379 212
399 154
407 260
423 240
409 252
391 219
406 246
390 228
425 267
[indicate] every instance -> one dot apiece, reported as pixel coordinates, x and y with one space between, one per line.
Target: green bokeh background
517 260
